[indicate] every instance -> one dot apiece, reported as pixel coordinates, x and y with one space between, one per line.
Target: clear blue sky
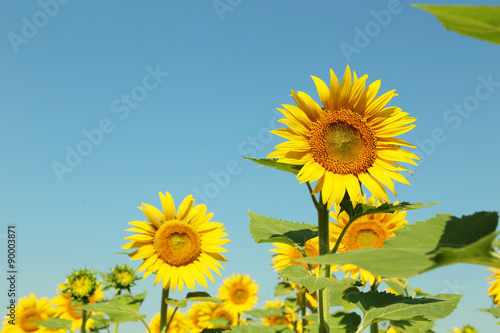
218 77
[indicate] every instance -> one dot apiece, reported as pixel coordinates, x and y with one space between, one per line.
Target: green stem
374 326
115 330
351 220
324 270
303 308
163 309
84 321
145 324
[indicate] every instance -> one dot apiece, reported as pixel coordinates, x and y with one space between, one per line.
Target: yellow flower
286 319
178 323
367 231
351 140
494 290
287 255
216 311
180 247
239 293
82 284
198 315
29 311
65 307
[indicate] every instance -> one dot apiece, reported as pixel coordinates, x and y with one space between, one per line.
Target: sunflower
178 323
351 140
287 255
198 315
180 247
367 231
239 293
218 311
65 307
29 311
286 319
494 290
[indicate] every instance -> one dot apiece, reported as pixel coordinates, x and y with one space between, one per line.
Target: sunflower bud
81 284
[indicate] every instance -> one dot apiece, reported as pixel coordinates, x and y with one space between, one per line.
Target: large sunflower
180 247
494 289
367 231
65 307
239 293
28 311
351 140
177 320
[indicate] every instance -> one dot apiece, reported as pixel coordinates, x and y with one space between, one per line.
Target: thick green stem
324 270
163 309
84 321
374 326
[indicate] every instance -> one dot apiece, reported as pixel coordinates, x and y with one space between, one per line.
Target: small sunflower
287 318
367 231
287 255
81 284
494 289
347 142
178 322
122 277
29 311
179 246
65 306
239 293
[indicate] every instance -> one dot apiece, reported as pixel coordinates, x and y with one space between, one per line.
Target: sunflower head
177 320
81 284
180 246
122 277
348 141
239 293
287 318
367 231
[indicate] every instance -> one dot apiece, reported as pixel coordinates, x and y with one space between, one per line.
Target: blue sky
167 96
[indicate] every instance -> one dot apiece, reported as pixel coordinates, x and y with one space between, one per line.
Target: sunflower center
342 142
28 319
124 278
366 234
240 296
177 243
81 286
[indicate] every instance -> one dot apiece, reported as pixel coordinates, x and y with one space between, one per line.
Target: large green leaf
119 309
409 326
261 313
300 275
251 329
55 323
193 297
266 229
273 163
283 288
495 311
417 248
382 306
340 322
482 22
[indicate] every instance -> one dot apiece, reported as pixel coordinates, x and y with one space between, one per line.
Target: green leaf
398 285
251 329
340 322
495 311
261 313
55 323
300 275
382 306
193 297
213 330
273 163
270 230
417 248
481 22
283 288
100 322
220 322
364 209
119 309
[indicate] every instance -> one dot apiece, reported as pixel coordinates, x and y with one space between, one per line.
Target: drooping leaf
300 275
417 248
119 309
193 297
270 230
364 209
382 306
100 322
338 294
273 163
481 22
55 323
